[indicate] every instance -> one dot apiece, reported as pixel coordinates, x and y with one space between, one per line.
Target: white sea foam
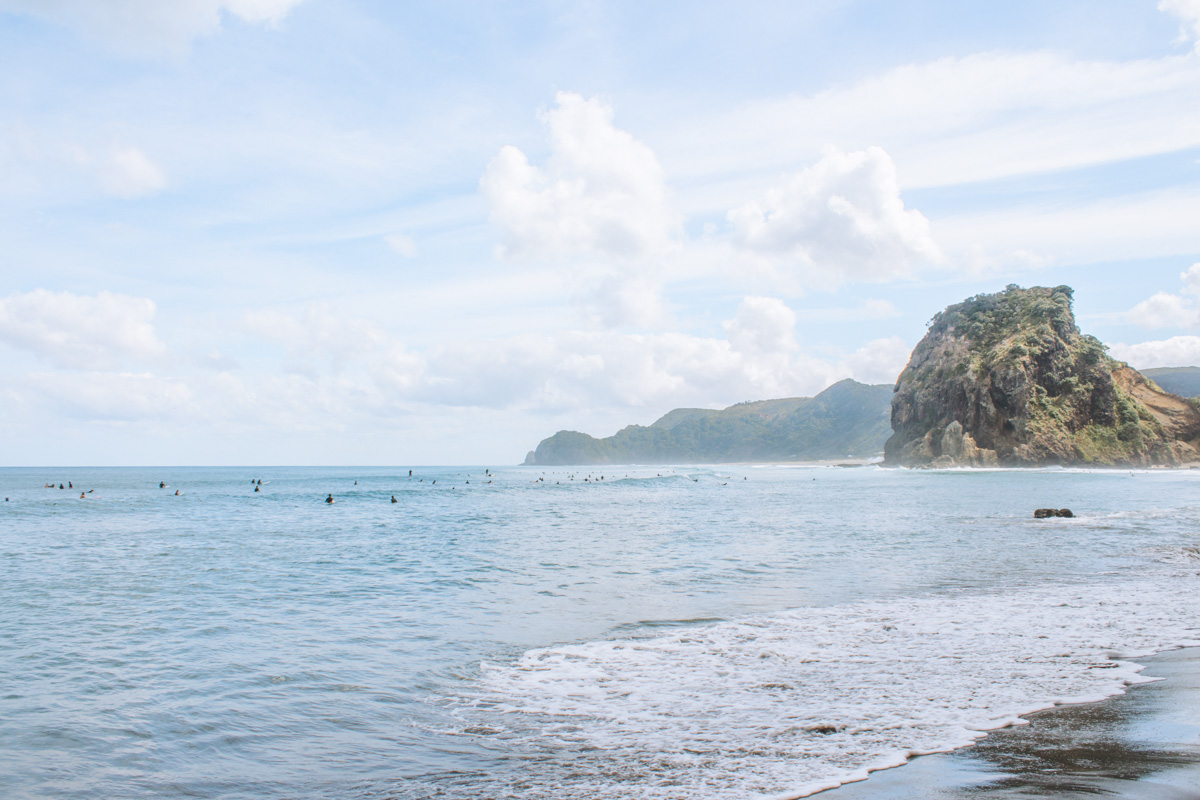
787 705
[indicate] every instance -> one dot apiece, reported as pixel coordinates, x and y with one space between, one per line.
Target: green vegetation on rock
1008 378
848 419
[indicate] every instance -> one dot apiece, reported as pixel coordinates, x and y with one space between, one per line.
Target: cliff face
847 419
1009 379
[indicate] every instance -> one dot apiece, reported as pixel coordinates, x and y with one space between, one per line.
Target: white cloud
880 360
401 244
575 370
81 331
1188 14
1163 310
128 173
150 27
110 396
1178 351
601 191
316 334
763 326
840 219
622 300
1026 112
1166 310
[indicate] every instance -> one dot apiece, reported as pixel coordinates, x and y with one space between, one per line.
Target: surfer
177 492
162 485
329 499
394 500
255 489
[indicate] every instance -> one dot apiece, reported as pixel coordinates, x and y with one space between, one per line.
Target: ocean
527 632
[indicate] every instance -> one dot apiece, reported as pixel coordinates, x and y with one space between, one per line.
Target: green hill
849 419
1183 381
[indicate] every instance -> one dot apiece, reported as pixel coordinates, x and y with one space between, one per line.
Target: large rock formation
1008 379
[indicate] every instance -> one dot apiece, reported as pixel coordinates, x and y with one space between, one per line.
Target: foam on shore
788 705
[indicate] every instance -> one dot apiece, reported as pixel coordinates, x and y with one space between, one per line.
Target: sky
348 232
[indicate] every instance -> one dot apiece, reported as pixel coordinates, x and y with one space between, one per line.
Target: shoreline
1140 744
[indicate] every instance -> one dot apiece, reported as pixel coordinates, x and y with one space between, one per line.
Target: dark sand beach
1142 745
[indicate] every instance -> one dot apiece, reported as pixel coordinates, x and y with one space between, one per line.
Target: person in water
177 492
394 500
83 495
329 499
256 488
162 485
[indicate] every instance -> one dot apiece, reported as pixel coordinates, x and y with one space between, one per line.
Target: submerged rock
1008 379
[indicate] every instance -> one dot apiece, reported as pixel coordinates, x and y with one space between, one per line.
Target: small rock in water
1043 513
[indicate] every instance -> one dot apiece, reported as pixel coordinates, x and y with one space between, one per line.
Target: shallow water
676 633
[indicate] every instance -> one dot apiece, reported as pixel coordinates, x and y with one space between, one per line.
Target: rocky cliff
1008 379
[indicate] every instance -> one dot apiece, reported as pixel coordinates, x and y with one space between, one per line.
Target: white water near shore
817 697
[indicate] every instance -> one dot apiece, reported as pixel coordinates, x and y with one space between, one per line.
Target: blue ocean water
677 632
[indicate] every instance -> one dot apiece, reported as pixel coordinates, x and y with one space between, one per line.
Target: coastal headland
999 380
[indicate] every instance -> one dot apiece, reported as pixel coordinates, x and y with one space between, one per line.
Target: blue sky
316 232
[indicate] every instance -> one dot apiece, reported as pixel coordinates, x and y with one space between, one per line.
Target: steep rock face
1009 379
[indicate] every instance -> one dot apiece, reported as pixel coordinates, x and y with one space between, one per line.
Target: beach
1141 745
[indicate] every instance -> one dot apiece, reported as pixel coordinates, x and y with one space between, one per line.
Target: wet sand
1142 745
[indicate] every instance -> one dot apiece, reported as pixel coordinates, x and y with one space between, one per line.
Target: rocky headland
1008 379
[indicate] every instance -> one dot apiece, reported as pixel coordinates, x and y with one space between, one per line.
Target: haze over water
663 632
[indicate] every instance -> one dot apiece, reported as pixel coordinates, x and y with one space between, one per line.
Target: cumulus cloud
763 326
1178 351
317 333
880 360
150 27
1188 14
1167 310
81 331
840 219
600 192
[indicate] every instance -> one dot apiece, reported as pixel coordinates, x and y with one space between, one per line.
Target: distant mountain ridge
847 420
1183 381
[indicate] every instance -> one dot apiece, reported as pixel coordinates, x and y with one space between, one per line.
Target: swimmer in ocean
162 485
329 499
394 500
256 488
177 492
